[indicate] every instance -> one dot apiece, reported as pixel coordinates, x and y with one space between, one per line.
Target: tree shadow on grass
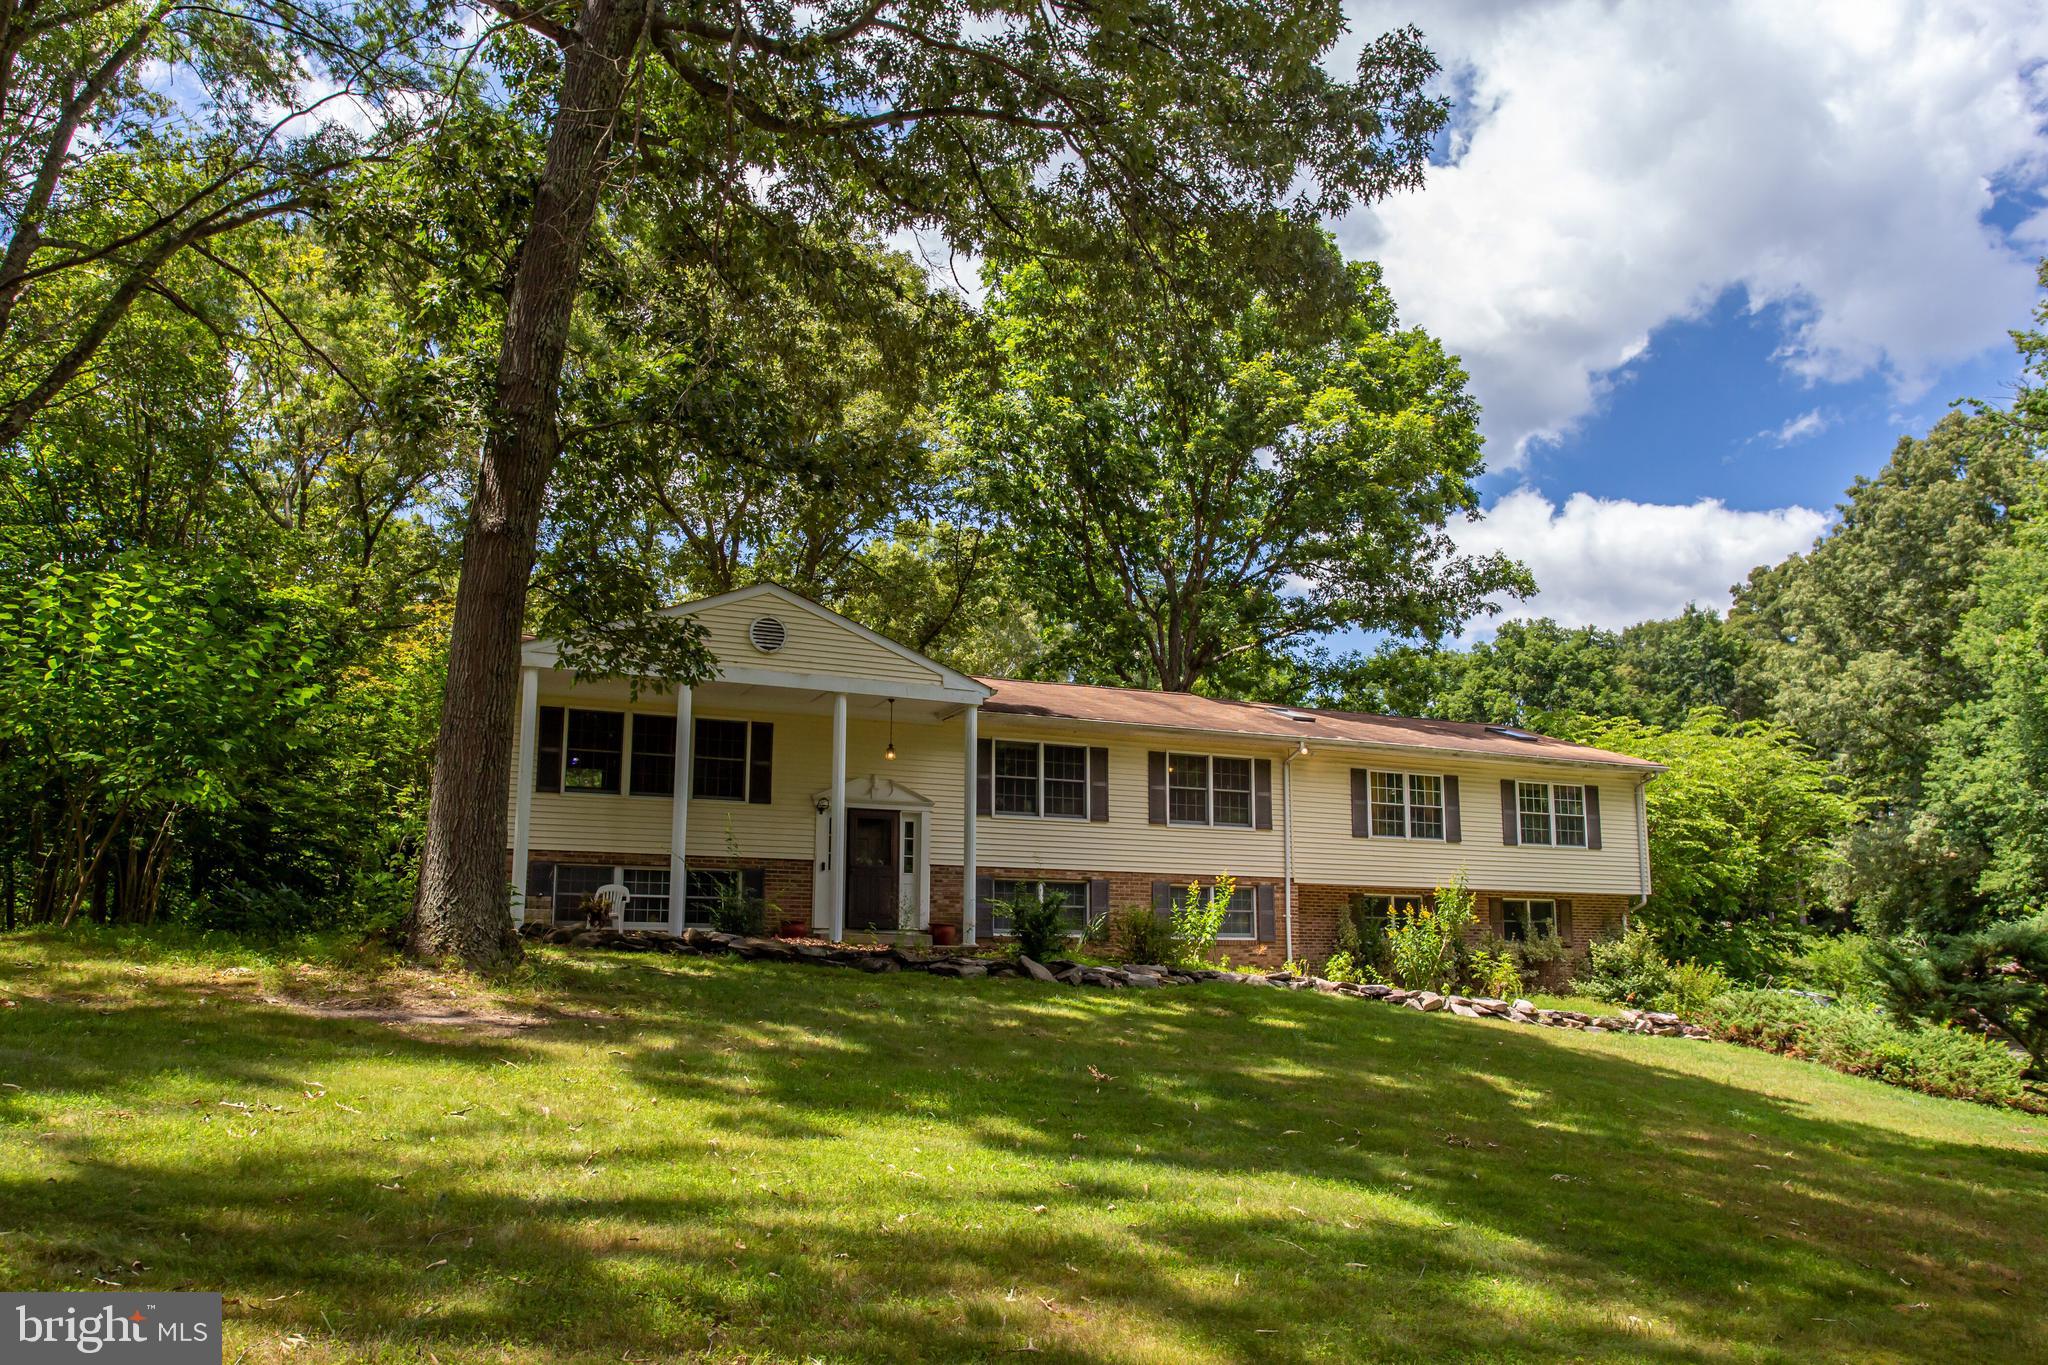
756 1164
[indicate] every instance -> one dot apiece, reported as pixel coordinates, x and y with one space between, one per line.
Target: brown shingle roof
1186 711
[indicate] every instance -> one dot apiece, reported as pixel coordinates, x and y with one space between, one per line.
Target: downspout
1287 835
1642 849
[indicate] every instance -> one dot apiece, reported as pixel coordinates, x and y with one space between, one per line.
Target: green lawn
715 1158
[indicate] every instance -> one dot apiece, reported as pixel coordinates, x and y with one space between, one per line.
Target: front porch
832 776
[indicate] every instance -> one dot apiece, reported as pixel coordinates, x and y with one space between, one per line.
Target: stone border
1138 976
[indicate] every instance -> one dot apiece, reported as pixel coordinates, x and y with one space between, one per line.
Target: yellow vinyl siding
815 644
1326 852
1127 843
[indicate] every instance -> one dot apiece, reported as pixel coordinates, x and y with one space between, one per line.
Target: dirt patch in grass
420 1012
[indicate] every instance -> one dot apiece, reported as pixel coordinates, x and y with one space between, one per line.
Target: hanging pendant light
890 752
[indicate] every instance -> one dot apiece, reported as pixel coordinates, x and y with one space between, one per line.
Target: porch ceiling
757 697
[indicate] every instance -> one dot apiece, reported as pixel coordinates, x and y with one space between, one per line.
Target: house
819 735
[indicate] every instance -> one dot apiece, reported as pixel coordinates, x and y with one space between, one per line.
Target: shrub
1145 937
1864 1042
1839 965
735 911
1342 966
1198 919
1495 969
1423 942
1038 923
1627 970
1693 987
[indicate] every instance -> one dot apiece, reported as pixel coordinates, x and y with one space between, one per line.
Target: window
1066 781
718 760
649 886
1240 916
1073 902
1526 920
1016 779
1569 807
575 883
1187 789
1425 806
547 753
1233 802
1041 779
1551 813
595 752
1532 804
1377 909
705 889
1407 805
1389 806
654 756
909 845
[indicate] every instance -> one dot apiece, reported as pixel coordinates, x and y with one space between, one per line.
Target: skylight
1509 732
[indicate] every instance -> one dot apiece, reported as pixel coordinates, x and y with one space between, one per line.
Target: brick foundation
785 882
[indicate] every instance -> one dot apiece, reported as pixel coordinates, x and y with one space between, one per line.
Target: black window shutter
1592 816
1564 921
1262 793
1262 897
1098 898
1454 822
985 777
1361 804
1155 788
1162 900
547 751
761 777
1098 786
754 881
1496 914
1510 828
984 911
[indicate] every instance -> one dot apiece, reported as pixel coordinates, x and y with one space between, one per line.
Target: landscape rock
1035 971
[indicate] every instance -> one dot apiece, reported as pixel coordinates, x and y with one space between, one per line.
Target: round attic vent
767 634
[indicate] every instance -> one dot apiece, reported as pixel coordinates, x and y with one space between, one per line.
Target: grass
623 1158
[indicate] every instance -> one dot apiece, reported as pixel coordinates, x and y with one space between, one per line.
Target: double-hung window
1240 914
595 753
1187 789
1073 898
1552 813
1205 790
1407 806
719 760
654 755
1041 779
650 899
1525 921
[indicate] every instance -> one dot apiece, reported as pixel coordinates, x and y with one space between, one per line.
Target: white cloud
1611 562
1812 422
945 266
1620 164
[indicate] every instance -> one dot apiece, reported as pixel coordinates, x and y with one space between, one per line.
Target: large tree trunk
462 909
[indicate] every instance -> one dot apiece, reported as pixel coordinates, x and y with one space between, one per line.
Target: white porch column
837 875
971 803
522 783
679 816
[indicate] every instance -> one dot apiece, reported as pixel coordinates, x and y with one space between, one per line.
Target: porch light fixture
890 752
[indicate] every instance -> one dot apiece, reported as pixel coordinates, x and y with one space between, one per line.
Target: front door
871 877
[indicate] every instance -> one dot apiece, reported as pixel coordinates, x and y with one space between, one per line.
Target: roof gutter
1370 746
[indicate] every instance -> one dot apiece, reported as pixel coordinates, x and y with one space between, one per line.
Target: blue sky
1710 413
1706 262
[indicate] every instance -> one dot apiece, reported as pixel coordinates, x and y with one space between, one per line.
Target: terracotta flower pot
945 935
